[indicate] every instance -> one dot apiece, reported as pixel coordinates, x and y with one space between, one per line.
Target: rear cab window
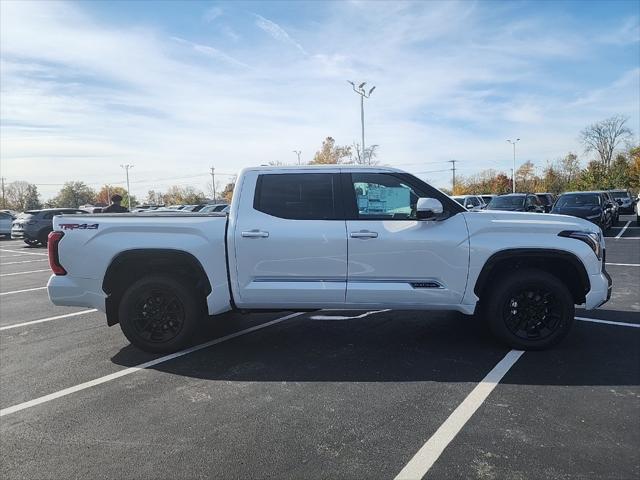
299 196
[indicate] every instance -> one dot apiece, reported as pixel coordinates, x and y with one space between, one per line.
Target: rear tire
43 237
159 314
31 242
530 310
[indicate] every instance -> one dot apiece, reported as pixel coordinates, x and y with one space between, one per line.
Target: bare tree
370 154
604 137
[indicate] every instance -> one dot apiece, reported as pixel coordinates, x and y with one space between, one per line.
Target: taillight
52 246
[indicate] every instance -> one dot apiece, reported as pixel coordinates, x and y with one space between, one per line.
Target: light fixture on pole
298 153
363 94
513 174
126 169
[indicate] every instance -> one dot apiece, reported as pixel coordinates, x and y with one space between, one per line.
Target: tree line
613 163
616 165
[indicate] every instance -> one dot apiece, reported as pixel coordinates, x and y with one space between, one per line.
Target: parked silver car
6 219
33 226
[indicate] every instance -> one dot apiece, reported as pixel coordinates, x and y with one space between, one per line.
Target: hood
586 211
506 209
526 223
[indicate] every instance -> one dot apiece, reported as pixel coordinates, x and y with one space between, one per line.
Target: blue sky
175 87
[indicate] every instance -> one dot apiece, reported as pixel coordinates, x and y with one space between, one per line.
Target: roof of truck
334 167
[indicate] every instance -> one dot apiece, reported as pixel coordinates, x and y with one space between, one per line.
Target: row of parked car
602 207
33 226
200 208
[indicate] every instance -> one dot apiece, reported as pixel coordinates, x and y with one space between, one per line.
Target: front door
290 242
394 258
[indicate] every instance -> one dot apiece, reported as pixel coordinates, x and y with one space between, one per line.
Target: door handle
364 234
255 234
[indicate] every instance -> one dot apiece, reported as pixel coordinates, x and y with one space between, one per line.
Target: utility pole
4 202
513 172
453 179
213 183
126 169
298 153
363 94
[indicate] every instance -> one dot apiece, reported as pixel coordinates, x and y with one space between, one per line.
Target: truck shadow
397 347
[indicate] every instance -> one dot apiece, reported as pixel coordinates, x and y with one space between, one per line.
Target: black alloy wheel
159 313
532 313
529 309
158 316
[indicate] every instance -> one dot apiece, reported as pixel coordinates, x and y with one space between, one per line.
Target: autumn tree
227 193
183 195
525 177
330 153
108 191
73 194
604 137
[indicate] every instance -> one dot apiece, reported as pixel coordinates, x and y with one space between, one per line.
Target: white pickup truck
306 238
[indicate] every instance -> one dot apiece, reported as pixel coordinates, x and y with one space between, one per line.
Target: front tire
159 314
530 310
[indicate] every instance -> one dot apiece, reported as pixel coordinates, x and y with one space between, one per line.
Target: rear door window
299 196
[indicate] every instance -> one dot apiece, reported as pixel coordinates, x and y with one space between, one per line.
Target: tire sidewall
193 312
518 281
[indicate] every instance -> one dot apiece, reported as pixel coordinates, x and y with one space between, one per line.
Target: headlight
590 238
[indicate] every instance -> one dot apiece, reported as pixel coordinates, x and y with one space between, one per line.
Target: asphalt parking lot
318 395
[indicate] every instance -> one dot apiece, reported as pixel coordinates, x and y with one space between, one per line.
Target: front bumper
601 287
65 290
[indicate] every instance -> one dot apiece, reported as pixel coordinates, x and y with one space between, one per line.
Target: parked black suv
592 206
516 202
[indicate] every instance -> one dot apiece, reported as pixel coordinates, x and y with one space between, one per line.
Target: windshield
579 200
620 194
507 202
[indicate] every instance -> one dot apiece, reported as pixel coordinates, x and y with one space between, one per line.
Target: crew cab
315 237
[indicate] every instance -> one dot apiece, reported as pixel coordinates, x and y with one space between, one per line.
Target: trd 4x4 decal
79 226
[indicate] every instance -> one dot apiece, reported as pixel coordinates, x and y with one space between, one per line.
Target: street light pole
126 169
298 153
513 172
363 94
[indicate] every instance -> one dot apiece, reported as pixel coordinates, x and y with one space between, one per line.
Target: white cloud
277 32
212 14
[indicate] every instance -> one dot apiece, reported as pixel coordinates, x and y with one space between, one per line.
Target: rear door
290 241
394 258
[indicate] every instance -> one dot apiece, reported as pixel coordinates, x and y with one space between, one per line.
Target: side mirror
428 208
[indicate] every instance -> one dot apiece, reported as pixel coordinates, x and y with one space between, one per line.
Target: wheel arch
131 265
564 265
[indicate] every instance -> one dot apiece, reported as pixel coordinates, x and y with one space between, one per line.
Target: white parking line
22 253
42 320
608 322
22 291
623 229
24 261
625 264
422 461
24 273
137 368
